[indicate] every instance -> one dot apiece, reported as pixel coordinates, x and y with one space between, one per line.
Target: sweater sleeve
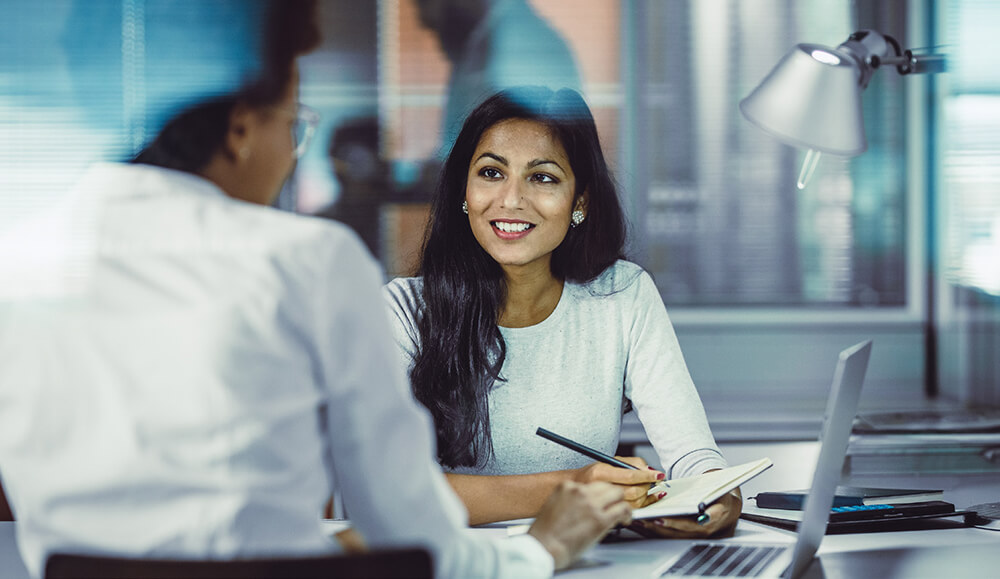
661 390
402 298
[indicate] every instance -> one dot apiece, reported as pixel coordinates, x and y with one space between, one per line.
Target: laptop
728 559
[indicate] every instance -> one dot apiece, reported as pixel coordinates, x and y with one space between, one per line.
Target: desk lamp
812 98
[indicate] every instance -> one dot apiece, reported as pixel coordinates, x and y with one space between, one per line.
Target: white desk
953 553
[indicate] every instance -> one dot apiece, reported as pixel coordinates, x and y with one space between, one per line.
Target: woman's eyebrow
499 158
538 162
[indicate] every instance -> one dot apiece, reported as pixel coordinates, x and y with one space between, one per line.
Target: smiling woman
525 315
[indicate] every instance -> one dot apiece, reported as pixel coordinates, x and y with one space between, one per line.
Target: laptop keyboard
709 560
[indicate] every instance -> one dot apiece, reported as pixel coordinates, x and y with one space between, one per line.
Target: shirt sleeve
380 439
402 297
661 390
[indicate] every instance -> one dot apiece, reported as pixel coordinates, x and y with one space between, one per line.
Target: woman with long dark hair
524 314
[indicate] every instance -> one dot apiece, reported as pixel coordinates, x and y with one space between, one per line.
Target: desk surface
962 552
953 553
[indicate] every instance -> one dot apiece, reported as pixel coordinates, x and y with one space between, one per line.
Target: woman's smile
511 229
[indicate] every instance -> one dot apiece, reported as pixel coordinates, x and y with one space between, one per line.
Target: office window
971 153
967 202
714 208
87 81
715 213
723 220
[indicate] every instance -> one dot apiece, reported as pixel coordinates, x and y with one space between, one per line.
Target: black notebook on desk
868 518
850 496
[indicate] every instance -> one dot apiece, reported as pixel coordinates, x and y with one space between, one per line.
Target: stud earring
576 218
465 207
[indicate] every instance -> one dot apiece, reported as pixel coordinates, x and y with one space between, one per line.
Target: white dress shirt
199 373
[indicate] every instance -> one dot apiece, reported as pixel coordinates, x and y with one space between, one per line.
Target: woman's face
520 192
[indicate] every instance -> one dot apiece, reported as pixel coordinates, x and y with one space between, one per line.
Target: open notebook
690 495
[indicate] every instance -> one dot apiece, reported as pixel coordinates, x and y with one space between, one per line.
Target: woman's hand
634 483
723 515
352 541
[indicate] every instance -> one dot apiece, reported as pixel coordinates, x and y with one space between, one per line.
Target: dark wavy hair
188 141
461 349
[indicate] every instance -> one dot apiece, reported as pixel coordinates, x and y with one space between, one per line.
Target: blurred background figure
488 46
492 45
363 176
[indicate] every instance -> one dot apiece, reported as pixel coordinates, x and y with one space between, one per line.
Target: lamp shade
812 99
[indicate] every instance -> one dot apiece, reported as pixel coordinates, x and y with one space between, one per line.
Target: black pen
587 451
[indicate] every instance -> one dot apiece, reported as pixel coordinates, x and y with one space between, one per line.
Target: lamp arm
902 62
909 63
872 49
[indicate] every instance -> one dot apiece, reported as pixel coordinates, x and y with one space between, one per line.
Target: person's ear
581 202
239 137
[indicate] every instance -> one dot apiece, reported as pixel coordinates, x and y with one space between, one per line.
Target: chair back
402 563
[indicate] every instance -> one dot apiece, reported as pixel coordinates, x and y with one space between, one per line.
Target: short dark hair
461 349
189 140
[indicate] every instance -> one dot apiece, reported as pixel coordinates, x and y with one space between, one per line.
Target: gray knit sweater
606 341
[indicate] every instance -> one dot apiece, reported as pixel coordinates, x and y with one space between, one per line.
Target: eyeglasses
306 121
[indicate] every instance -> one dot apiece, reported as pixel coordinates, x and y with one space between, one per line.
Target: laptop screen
841 408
